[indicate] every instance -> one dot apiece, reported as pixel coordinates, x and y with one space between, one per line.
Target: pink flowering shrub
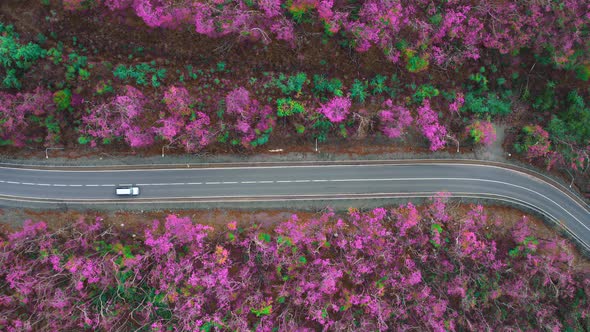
534 142
336 110
17 113
456 105
394 119
428 123
482 132
181 126
249 121
117 119
177 100
401 268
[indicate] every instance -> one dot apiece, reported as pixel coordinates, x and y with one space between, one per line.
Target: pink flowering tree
117 119
394 119
428 123
456 105
482 132
336 109
247 121
20 114
182 126
422 263
534 141
420 31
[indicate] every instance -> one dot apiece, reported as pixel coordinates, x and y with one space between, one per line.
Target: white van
127 190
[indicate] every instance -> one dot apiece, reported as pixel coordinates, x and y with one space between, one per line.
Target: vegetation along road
330 181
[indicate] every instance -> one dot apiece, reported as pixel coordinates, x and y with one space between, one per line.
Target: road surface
302 182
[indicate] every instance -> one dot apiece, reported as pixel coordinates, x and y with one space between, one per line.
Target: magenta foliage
336 110
402 268
430 127
449 32
119 118
456 105
177 100
247 117
482 132
541 145
394 119
176 127
17 113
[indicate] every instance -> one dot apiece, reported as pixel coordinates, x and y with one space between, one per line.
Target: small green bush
288 107
423 92
489 104
76 67
322 86
140 74
358 91
415 63
63 99
378 84
292 84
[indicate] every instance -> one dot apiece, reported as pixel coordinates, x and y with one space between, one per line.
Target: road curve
353 180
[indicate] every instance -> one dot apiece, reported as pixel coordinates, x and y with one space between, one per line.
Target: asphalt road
301 182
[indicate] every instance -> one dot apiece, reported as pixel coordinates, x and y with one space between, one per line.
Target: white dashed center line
172 183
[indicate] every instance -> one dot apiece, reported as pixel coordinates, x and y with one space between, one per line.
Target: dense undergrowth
433 267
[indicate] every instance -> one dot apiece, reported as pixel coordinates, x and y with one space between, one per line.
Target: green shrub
583 72
378 84
16 58
63 99
546 101
359 91
489 104
140 73
288 107
84 140
323 127
292 84
262 138
103 88
414 62
423 92
56 55
75 67
52 125
322 86
300 129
